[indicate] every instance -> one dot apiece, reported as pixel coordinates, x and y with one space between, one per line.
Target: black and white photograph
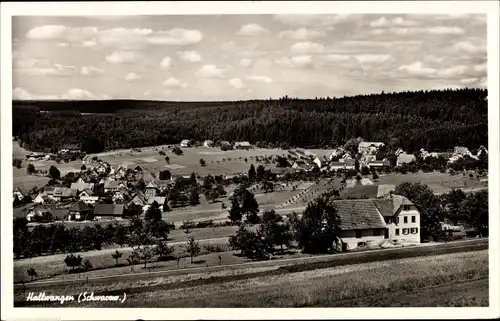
280 157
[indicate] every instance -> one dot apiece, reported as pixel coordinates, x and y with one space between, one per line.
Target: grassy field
458 279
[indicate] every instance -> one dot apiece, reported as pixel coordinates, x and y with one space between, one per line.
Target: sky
238 57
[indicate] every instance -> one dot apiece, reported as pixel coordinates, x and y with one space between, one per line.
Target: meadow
443 280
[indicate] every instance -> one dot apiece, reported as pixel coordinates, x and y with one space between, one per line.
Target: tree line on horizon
434 120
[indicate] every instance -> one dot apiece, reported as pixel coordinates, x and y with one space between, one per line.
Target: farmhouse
345 157
404 159
137 199
45 214
208 143
70 148
41 199
79 186
78 211
301 165
372 222
335 154
19 193
87 196
185 143
62 194
379 164
151 189
112 186
120 195
242 145
369 147
114 211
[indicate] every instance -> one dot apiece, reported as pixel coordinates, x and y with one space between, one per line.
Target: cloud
453 72
469 47
436 30
166 63
211 71
295 61
90 43
62 44
190 56
481 68
71 94
245 62
433 59
87 71
236 83
46 32
469 81
307 48
373 59
174 83
252 29
123 38
327 21
301 34
335 58
48 70
176 37
398 21
132 77
122 57
263 79
417 69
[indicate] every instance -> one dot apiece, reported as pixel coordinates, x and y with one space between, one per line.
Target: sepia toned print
250 161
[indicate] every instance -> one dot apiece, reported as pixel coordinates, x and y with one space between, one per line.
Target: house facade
372 222
185 143
404 159
242 145
369 147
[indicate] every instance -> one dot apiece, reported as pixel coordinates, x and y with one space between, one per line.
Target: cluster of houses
73 203
339 158
69 150
186 143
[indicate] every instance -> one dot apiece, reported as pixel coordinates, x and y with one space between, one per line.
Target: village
103 192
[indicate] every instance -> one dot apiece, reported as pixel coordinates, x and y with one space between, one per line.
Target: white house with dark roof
369 147
185 143
372 222
405 159
79 186
242 145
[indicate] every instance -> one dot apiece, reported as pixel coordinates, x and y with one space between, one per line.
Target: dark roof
358 214
109 209
59 213
79 206
385 206
64 192
399 201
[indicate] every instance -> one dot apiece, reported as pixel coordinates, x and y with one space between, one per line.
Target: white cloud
252 29
398 21
211 71
48 70
327 21
417 69
46 32
122 57
176 37
86 71
453 72
433 59
437 30
469 47
307 48
71 94
301 34
369 59
166 63
190 56
174 83
295 61
263 79
481 68
443 30
236 83
124 38
468 81
132 77
245 62
335 58
90 43
62 44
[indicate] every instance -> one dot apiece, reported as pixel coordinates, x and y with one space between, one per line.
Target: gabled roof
111 184
79 206
185 141
358 214
385 206
109 209
399 201
151 184
88 191
82 186
405 158
159 199
64 192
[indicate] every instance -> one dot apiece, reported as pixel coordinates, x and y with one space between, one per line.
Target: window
388 220
406 219
358 234
405 231
406 207
397 231
414 230
397 220
413 219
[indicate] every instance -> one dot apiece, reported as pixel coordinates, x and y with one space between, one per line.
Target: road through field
329 260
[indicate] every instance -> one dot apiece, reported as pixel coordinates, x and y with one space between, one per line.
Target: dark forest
435 120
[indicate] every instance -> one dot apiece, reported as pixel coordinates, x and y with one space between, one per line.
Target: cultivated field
436 280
